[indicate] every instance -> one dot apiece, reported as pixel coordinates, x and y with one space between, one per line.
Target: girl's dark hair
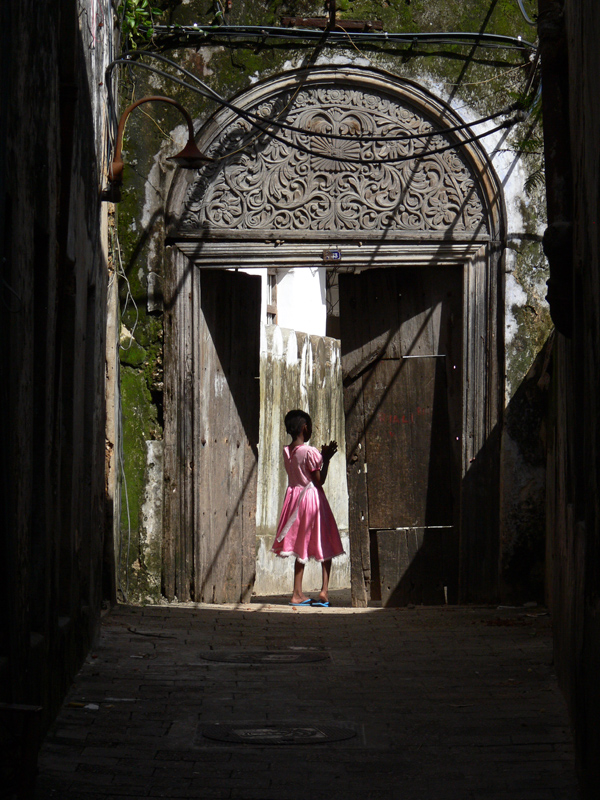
295 421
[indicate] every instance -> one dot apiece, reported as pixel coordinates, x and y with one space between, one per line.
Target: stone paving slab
459 703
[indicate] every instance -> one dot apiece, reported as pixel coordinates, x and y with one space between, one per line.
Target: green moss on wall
139 422
139 425
131 353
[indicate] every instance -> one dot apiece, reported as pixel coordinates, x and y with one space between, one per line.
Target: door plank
408 444
355 321
358 522
418 565
401 333
227 412
178 427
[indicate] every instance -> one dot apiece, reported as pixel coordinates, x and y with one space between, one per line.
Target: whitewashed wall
301 303
298 371
301 299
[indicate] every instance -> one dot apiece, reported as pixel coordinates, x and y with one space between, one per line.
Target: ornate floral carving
269 185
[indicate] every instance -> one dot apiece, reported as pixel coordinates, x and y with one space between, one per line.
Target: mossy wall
476 81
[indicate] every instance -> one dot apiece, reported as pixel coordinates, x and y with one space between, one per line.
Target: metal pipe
116 168
189 157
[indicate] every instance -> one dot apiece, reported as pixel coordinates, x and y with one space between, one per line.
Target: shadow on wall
523 488
410 567
427 565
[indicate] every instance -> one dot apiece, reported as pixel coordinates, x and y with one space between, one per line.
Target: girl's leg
324 593
298 595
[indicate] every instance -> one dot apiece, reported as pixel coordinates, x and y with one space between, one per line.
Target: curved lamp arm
189 158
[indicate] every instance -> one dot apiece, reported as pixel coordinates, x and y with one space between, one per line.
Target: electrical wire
526 16
129 296
264 32
251 118
445 83
321 135
393 160
276 120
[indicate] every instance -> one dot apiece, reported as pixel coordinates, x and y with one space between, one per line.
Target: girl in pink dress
307 528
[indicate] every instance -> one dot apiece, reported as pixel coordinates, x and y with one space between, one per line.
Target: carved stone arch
260 187
264 202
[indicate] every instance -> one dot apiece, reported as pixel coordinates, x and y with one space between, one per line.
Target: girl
307 528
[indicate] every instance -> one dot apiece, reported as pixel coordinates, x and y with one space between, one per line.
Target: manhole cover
277 734
267 656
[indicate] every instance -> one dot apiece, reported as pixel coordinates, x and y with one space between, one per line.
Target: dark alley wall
53 511
570 31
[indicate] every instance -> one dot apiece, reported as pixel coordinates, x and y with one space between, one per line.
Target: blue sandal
323 604
306 602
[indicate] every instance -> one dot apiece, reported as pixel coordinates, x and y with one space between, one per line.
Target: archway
280 202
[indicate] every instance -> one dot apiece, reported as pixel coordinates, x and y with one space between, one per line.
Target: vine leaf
137 22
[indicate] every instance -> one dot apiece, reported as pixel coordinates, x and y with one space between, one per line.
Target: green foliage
530 140
537 180
137 22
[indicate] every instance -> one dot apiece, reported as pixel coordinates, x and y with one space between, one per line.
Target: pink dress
307 528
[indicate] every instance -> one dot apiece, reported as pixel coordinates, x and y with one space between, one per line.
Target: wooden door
212 396
401 332
226 416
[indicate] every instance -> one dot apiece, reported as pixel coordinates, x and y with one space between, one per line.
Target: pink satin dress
307 528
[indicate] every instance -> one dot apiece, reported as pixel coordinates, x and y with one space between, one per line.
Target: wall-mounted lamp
189 158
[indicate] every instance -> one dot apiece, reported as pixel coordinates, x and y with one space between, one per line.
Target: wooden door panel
425 300
226 419
401 332
368 303
358 517
408 444
418 565
391 313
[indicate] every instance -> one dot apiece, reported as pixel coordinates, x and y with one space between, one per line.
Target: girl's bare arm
327 451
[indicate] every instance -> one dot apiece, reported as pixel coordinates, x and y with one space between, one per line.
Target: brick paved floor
444 704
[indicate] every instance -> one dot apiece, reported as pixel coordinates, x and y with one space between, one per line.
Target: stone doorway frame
480 252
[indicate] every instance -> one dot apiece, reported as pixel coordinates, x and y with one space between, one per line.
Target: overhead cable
264 124
526 16
330 156
264 32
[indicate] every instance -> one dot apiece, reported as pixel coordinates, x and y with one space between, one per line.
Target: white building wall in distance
301 304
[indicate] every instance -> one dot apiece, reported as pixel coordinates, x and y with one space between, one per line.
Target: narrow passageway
377 704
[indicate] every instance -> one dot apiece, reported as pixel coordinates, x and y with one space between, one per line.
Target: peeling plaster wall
151 512
298 371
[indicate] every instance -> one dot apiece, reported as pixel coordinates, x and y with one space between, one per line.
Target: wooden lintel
323 22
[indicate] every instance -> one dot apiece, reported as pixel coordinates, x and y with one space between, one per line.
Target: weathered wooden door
212 397
401 332
226 416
